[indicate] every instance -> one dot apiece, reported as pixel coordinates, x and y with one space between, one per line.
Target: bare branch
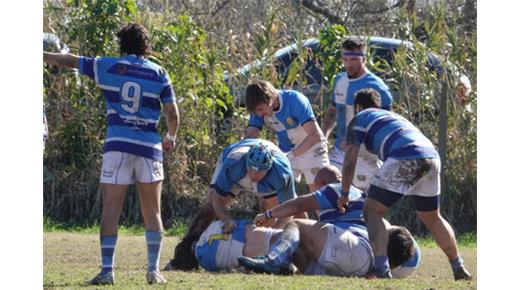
318 8
367 10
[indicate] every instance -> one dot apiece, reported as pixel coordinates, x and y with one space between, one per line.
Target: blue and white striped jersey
295 110
352 218
388 134
278 182
218 251
134 89
343 93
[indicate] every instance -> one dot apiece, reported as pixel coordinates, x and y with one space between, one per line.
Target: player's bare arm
349 164
289 208
171 111
330 120
314 136
220 204
64 60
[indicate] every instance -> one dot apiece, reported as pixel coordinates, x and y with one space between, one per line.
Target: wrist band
170 137
268 214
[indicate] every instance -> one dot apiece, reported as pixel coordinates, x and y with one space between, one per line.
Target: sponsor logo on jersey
122 69
290 121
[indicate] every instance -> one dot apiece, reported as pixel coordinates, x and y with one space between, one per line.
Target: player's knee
430 218
373 211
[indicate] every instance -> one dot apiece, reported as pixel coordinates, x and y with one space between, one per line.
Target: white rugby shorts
125 168
366 166
410 177
310 162
345 254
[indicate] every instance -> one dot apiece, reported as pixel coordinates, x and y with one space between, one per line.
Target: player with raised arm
135 89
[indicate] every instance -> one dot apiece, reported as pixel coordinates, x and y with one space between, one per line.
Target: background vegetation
197 41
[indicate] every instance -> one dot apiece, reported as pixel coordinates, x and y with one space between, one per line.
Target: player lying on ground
217 251
252 165
338 244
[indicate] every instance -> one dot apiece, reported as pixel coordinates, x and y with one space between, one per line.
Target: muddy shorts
419 178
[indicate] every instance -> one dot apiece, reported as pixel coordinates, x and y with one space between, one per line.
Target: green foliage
75 109
211 119
331 38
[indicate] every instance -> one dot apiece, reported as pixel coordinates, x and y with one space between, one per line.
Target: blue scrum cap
259 158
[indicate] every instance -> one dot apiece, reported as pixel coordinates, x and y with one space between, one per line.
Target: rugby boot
103 279
461 273
154 277
262 264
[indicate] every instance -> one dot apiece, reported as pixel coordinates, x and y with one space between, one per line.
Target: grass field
72 258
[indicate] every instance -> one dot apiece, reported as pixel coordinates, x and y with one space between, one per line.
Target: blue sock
281 252
108 245
456 263
381 266
153 244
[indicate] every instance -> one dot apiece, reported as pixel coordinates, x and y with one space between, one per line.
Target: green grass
72 258
178 228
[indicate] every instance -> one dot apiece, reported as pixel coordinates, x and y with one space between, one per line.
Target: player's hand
168 144
228 226
260 220
342 203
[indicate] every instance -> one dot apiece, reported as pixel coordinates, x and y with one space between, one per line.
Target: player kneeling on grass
134 89
338 244
252 165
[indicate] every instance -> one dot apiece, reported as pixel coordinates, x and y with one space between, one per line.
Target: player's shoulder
377 82
292 98
340 76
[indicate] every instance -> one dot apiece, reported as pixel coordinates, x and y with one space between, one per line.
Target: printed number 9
131 93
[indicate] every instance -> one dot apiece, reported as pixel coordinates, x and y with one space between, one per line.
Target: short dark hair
354 43
367 98
258 92
134 39
400 246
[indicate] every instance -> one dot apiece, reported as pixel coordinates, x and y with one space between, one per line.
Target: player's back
388 134
134 89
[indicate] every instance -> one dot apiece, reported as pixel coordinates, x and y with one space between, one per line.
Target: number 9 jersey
134 89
